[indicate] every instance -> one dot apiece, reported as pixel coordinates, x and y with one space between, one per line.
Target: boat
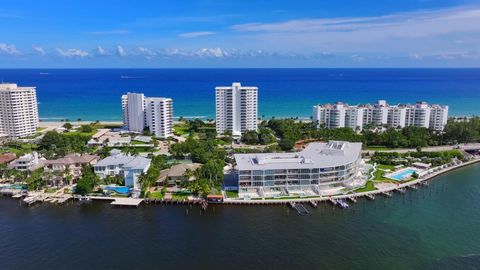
342 204
401 190
370 197
352 199
313 204
84 199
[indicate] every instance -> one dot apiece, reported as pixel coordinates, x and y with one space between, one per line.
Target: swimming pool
118 189
14 186
402 175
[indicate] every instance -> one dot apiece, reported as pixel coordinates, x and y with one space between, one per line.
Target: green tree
87 182
68 126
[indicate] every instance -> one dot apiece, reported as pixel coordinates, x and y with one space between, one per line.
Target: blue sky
341 33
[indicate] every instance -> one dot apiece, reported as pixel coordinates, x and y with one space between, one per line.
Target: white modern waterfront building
381 114
320 169
236 108
130 167
18 110
155 113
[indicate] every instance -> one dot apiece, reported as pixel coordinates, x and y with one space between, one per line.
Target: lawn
73 133
386 167
19 149
180 129
134 142
231 193
156 195
368 187
180 195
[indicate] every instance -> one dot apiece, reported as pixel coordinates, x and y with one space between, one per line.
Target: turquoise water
118 189
434 227
94 94
400 176
15 186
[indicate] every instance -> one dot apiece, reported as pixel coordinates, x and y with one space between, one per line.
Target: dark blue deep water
94 94
435 227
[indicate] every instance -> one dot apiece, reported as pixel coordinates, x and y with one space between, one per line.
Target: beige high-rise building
18 110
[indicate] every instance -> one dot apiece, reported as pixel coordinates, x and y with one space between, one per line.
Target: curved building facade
318 168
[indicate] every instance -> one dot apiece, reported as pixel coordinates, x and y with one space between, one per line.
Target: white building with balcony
18 110
236 109
154 113
381 114
321 168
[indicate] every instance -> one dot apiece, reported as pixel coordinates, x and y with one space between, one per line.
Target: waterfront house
70 165
130 167
176 174
28 162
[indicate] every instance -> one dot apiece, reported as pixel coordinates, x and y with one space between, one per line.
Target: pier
301 210
127 202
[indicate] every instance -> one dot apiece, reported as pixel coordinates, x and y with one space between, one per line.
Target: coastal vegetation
434 158
87 182
456 131
54 144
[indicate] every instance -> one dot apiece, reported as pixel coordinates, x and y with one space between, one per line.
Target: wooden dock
127 202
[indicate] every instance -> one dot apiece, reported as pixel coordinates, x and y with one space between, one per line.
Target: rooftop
179 170
318 155
13 86
73 159
6 158
131 162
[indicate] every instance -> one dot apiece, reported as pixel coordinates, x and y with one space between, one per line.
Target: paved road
469 146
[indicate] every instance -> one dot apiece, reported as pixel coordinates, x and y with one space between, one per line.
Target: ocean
94 94
434 227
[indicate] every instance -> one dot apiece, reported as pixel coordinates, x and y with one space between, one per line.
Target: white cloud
212 52
9 49
39 50
109 32
146 52
72 52
400 32
101 51
121 51
196 34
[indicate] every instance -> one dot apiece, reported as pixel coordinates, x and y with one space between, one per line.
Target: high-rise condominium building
18 110
236 108
140 112
381 114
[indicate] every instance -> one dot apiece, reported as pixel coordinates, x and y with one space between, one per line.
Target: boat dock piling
332 201
387 194
353 199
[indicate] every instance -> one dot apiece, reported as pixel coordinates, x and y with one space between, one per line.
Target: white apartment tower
159 115
133 107
140 112
18 110
381 114
236 108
